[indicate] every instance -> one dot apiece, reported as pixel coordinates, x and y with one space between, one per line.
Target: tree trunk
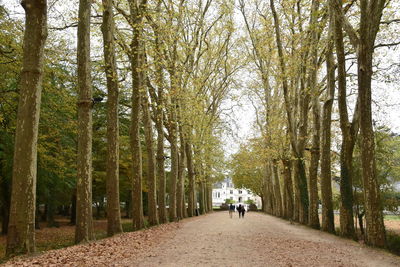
137 87
313 220
84 221
192 203
174 169
180 196
328 224
300 178
113 203
21 227
151 166
369 25
375 229
209 195
277 190
348 141
288 189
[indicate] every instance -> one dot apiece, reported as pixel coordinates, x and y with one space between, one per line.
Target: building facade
226 190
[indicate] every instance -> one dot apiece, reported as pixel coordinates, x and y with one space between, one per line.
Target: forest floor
217 240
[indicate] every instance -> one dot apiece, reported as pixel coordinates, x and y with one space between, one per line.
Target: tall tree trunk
180 195
174 169
296 200
313 220
192 203
84 221
288 189
113 203
371 14
348 140
209 196
375 228
277 189
161 178
300 180
151 166
161 185
201 196
136 58
328 224
21 227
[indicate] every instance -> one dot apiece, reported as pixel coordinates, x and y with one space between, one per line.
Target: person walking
239 209
243 211
231 210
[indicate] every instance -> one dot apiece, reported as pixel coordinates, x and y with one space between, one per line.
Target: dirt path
217 240
259 240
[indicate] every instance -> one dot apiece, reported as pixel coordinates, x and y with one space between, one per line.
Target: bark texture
326 177
113 203
192 203
21 227
371 13
348 140
84 221
151 164
136 9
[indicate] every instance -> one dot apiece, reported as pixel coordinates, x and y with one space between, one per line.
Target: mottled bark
300 181
326 179
151 164
21 227
371 13
209 196
136 58
192 203
113 203
180 195
174 169
313 218
84 221
348 140
201 197
277 190
287 189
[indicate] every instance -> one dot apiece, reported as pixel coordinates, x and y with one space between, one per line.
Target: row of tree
298 52
165 71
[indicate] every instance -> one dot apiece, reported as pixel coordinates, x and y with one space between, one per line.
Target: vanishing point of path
217 240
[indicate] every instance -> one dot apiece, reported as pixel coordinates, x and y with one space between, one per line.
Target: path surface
259 240
217 240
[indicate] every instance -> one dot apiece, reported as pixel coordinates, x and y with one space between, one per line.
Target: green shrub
249 201
224 206
393 242
253 207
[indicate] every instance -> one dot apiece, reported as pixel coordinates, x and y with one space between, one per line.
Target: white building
226 190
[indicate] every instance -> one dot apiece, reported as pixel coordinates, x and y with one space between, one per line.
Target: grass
392 217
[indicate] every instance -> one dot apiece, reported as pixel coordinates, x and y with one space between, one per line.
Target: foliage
247 167
229 201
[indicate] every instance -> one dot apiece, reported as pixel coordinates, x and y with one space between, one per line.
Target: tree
84 221
326 177
21 235
136 57
113 203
